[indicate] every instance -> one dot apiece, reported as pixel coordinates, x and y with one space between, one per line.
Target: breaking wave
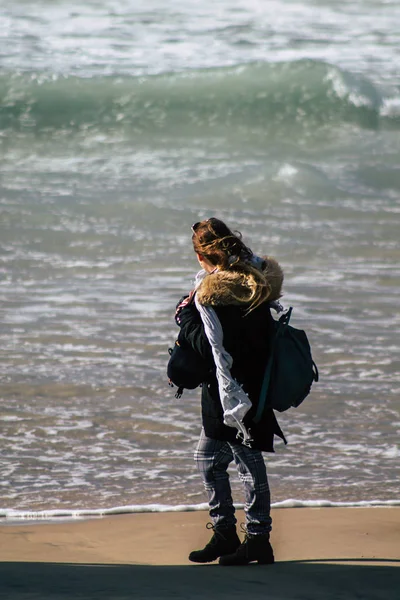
255 97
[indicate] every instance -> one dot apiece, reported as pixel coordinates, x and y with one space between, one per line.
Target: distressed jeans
212 459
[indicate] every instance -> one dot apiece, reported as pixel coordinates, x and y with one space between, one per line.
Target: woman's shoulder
243 285
223 288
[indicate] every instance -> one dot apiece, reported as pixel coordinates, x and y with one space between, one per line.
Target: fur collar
242 285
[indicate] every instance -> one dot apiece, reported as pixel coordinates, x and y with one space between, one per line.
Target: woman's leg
252 472
256 546
212 459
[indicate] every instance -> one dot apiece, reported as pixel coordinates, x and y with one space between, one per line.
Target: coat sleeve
192 332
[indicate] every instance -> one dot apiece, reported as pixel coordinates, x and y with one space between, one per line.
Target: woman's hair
224 249
218 244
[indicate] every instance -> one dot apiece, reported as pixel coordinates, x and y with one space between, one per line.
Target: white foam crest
391 107
10 515
357 91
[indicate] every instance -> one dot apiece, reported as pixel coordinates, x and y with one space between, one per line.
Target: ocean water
122 123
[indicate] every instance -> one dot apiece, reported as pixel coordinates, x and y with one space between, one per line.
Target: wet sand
327 553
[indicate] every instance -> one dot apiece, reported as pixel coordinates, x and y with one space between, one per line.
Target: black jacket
247 338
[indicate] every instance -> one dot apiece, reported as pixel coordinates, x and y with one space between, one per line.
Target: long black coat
247 339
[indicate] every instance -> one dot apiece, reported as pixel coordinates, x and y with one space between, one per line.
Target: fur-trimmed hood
243 285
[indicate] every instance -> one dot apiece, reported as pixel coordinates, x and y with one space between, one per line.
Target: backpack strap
179 392
280 327
316 372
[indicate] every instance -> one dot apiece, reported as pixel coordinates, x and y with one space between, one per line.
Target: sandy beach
324 553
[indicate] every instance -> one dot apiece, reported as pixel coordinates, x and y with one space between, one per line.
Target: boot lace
244 547
218 533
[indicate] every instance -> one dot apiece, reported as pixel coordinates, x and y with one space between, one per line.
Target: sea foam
10 515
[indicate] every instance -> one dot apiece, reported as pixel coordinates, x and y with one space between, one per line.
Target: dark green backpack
290 370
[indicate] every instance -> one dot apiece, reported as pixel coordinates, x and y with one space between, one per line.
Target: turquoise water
121 124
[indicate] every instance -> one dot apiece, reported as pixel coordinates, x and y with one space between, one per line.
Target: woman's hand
185 301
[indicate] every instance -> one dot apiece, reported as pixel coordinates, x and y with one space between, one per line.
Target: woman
239 287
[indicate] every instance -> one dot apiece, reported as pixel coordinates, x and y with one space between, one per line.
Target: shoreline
16 517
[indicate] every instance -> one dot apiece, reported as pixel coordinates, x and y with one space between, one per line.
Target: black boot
254 548
224 541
